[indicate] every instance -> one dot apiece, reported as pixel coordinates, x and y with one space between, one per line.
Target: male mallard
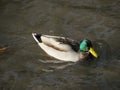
64 48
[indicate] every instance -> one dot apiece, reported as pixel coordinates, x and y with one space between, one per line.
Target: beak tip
98 56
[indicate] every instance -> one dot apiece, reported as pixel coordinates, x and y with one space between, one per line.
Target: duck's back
60 42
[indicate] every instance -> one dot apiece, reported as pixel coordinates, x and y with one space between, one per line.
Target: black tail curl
38 36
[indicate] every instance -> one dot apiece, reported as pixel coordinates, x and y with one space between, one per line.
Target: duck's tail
37 37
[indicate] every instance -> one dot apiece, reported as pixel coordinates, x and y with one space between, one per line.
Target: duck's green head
86 46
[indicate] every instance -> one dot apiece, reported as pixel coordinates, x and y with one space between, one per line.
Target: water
24 66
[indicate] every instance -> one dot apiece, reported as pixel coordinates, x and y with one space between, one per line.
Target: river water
24 66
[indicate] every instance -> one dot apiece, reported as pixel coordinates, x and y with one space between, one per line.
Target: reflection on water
24 66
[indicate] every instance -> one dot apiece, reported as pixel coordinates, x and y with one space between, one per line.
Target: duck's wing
60 43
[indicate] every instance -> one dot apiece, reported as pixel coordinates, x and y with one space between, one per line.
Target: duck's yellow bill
92 51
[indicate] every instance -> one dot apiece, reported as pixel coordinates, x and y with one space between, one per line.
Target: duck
3 49
65 49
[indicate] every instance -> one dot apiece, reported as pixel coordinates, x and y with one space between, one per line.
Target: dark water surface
24 66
